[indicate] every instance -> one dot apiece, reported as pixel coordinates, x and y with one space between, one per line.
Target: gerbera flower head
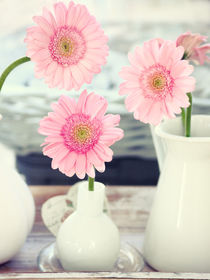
67 47
79 134
156 81
193 50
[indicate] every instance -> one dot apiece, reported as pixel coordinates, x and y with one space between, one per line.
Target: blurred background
25 100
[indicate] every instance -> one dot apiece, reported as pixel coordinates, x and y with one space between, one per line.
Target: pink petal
58 76
155 50
41 55
71 172
90 30
48 130
93 157
133 100
129 73
77 77
114 133
181 68
100 167
83 19
99 108
100 152
167 110
144 108
40 36
90 65
50 18
109 139
51 68
148 53
60 13
111 120
167 51
187 84
39 44
142 62
56 118
104 149
87 75
90 169
77 15
51 149
61 152
54 138
70 15
95 106
81 166
67 79
44 25
70 161
82 102
69 104
68 110
156 114
181 98
58 109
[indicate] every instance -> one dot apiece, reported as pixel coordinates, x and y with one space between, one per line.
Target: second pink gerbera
79 134
68 48
156 81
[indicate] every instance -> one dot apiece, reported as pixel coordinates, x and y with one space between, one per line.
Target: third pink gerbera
79 134
156 81
68 47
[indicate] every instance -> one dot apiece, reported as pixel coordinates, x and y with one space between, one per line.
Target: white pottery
57 208
159 147
178 231
17 211
88 240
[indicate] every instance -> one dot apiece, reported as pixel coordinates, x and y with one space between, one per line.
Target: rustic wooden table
129 207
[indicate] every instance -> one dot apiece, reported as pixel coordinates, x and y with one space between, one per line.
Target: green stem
188 116
185 56
10 68
90 184
183 114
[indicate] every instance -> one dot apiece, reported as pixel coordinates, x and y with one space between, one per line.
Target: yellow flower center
66 47
82 133
158 81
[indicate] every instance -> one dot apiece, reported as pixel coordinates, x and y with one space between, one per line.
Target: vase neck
90 203
197 146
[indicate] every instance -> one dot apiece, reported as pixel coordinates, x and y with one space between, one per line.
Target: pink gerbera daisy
68 48
157 81
79 134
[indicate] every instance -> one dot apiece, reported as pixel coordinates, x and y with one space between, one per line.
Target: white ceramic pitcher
178 231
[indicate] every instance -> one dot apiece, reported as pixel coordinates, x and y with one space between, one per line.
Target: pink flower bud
193 50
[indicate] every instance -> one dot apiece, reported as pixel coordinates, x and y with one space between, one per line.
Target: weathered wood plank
105 275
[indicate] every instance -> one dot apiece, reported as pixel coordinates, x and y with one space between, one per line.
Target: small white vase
178 231
88 240
17 212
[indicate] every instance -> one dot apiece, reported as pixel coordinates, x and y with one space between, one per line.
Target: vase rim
98 186
159 130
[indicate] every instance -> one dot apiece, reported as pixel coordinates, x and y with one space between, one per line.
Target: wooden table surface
129 207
